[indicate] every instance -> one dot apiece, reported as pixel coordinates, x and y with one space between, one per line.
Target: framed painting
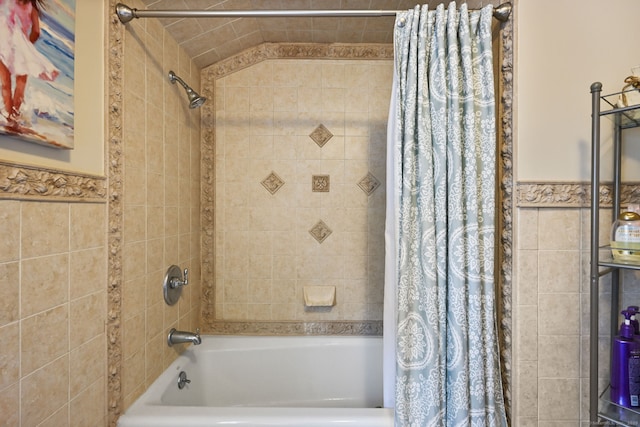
37 39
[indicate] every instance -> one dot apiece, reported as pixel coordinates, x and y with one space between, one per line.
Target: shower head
195 100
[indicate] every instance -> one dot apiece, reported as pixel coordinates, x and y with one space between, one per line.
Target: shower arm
126 13
174 78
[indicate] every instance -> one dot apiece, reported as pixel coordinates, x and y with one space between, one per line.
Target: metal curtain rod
126 13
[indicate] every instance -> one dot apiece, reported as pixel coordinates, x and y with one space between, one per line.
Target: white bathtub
269 381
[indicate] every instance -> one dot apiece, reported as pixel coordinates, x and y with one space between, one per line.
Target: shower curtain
440 332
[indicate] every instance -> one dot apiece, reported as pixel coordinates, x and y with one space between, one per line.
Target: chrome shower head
195 100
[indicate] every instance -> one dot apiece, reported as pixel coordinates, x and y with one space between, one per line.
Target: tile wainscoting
551 301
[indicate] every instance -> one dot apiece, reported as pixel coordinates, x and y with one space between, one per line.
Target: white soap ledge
319 296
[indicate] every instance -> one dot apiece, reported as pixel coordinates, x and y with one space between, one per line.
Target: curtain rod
126 13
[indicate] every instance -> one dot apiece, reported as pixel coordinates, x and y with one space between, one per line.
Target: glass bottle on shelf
625 236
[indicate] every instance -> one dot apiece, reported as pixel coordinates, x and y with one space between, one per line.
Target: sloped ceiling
209 40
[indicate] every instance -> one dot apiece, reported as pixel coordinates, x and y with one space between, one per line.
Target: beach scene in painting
37 70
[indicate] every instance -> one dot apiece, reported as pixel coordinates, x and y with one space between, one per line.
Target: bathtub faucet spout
179 337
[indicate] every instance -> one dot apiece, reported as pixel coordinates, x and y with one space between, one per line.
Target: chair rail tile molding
569 194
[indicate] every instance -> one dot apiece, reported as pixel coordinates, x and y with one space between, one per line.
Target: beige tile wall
161 201
551 312
265 254
52 314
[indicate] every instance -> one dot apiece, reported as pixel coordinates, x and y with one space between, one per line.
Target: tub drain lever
182 380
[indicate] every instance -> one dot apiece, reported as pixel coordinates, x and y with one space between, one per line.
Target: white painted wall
89 93
563 46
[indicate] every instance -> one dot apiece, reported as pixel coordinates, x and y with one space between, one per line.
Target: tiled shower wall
161 202
300 188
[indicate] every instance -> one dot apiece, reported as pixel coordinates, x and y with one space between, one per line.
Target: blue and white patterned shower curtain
440 318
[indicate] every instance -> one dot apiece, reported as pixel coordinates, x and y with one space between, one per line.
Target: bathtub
269 381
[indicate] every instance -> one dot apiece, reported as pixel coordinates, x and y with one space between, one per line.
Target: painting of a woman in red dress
36 104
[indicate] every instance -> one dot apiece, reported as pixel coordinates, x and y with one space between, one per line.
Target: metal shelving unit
600 408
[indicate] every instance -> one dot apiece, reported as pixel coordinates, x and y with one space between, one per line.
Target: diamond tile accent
320 183
320 231
272 183
321 135
369 183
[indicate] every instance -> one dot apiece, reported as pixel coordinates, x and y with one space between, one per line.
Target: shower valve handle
176 282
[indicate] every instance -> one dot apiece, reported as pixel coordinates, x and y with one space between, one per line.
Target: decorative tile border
115 404
266 51
570 194
504 199
37 183
228 327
